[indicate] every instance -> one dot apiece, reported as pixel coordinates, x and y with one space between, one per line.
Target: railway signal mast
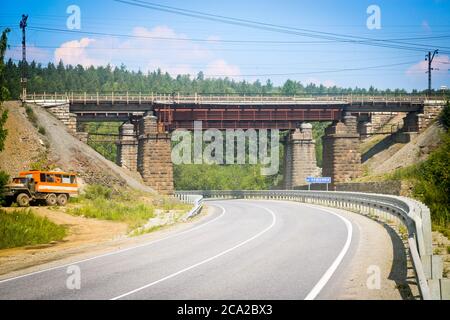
23 79
429 57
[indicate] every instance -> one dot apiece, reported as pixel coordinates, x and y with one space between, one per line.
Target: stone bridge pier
299 157
154 161
341 158
127 147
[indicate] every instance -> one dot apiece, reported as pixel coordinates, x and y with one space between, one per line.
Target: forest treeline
67 78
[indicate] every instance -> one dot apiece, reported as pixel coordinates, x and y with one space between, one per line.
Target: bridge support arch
154 161
299 157
341 157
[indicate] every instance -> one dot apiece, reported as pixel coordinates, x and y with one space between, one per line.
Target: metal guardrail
194 199
413 215
139 98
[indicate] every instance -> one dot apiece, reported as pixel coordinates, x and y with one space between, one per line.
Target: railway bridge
144 138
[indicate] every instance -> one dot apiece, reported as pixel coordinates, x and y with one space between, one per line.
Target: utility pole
429 57
23 80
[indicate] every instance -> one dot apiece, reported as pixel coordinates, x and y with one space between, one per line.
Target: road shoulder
376 249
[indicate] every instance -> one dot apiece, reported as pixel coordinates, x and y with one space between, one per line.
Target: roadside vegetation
4 94
431 179
21 227
130 207
31 115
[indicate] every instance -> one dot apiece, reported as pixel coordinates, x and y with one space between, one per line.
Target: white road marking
274 219
115 252
329 273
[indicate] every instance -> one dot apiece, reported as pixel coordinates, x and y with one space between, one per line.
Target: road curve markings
116 252
274 219
330 271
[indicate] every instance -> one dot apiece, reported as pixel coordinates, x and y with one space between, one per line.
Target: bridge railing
406 213
138 98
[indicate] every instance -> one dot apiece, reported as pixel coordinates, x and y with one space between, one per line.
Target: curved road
245 249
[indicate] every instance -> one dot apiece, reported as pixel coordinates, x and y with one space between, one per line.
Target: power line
278 28
313 72
212 41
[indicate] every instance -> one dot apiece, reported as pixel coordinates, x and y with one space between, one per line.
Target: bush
41 130
134 213
433 185
97 191
22 227
444 117
31 115
4 178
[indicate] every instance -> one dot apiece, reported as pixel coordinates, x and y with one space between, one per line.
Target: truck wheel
23 200
51 199
62 199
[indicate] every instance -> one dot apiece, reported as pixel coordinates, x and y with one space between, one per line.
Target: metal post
429 57
23 80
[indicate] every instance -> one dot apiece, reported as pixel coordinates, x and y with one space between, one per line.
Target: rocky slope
57 148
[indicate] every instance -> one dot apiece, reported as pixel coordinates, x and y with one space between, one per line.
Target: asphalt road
243 250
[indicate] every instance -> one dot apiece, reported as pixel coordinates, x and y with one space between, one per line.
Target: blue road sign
318 179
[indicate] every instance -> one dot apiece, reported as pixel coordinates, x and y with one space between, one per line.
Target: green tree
4 92
445 116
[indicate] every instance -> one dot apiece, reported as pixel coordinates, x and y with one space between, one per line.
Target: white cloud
220 68
147 50
74 52
440 64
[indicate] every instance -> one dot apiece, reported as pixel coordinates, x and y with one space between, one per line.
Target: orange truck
53 187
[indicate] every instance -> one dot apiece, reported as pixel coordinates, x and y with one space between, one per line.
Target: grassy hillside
431 179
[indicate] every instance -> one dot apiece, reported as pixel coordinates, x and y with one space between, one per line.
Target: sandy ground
86 238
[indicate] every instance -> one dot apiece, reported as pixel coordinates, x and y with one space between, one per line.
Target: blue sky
307 60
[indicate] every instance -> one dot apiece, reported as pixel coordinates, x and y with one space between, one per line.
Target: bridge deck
227 111
198 99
